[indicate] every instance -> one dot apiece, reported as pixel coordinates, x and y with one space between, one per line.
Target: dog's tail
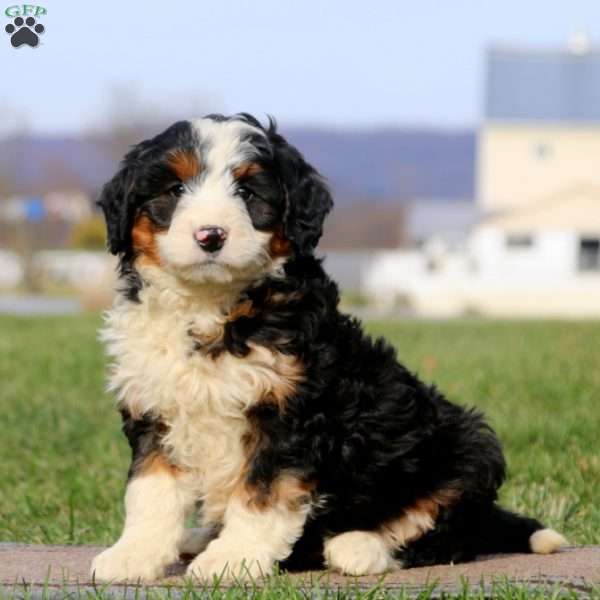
475 530
505 531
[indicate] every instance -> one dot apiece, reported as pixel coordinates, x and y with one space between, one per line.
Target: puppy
247 395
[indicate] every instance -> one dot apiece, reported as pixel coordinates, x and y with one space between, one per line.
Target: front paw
127 561
227 560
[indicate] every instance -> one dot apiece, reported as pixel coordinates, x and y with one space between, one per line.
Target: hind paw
358 553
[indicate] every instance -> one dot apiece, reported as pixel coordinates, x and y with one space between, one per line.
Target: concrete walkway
575 568
38 305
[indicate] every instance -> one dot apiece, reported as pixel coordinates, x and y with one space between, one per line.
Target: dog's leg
257 532
155 506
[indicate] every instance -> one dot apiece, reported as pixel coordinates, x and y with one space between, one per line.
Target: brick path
577 568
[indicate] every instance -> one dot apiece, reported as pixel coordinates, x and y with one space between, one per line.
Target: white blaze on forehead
222 143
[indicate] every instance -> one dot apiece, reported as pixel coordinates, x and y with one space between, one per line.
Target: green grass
65 459
286 588
283 587
64 469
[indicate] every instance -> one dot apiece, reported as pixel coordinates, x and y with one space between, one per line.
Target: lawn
65 459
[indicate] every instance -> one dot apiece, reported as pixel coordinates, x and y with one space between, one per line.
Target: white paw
127 561
227 560
358 553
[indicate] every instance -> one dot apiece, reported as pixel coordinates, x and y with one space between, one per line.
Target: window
589 254
519 241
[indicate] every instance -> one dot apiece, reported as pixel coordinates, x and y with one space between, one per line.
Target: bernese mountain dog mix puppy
247 395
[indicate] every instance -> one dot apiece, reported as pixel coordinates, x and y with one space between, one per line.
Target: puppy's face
214 200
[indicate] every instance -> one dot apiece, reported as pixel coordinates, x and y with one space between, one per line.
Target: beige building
539 162
535 250
523 163
541 132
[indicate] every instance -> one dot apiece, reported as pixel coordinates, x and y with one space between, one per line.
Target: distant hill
33 165
391 164
383 164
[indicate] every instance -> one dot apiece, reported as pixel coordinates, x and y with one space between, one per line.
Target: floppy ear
119 198
307 198
118 206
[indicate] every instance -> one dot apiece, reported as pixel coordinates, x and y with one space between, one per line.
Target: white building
12 270
556 239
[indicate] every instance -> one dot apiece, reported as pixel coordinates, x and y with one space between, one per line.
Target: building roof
543 85
575 208
449 220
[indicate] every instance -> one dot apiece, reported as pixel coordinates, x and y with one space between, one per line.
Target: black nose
210 239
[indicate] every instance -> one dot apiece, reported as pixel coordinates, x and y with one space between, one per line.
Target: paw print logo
24 32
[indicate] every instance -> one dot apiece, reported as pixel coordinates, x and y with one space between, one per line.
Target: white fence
452 286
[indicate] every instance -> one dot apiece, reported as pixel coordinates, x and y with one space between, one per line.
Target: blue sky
321 62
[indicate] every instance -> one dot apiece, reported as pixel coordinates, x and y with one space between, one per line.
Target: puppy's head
217 199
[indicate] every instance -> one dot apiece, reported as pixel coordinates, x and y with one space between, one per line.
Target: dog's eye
176 190
244 193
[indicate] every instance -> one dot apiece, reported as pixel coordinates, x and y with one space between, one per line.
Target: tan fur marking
155 463
185 164
241 309
291 374
280 298
279 245
246 170
287 491
433 504
145 244
293 492
416 520
209 343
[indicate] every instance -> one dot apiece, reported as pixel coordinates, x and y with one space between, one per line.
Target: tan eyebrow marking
246 170
184 163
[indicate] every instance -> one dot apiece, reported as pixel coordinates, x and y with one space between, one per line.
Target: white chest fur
202 400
